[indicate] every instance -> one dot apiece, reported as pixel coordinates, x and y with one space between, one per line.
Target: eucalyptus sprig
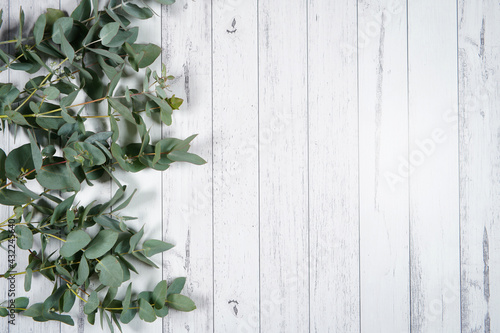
84 56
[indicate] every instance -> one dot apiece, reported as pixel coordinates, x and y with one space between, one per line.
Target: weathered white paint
236 167
187 190
333 167
304 218
433 154
283 166
383 135
479 164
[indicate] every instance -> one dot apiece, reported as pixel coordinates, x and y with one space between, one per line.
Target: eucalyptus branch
63 155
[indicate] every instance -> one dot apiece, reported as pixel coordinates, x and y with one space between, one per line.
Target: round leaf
24 237
110 271
75 241
101 244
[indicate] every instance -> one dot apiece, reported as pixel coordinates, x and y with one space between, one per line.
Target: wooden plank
284 270
383 140
479 102
41 287
147 202
5 138
98 192
433 164
187 189
235 179
333 165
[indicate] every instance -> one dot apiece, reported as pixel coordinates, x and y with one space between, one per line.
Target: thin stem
41 269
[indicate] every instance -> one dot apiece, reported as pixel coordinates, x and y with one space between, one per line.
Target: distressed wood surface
5 211
479 121
283 167
235 165
333 167
187 190
433 164
383 142
340 194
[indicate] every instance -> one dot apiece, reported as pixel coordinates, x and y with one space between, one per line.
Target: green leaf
110 295
3 178
154 246
39 28
110 271
113 56
108 32
75 241
13 198
24 237
180 302
165 2
135 239
61 27
127 316
101 244
19 159
92 303
151 52
53 15
51 92
61 209
122 109
181 156
27 279
125 203
83 271
126 300
176 286
121 37
108 222
136 11
68 300
175 102
146 311
63 271
34 311
21 303
82 11
160 294
142 257
66 46
57 176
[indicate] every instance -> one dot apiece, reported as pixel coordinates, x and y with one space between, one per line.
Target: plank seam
459 176
408 158
359 167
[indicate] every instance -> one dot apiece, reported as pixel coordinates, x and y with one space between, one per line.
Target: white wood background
353 169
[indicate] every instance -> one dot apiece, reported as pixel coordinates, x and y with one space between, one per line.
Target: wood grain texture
333 167
383 137
41 287
433 160
5 137
284 262
187 189
479 102
236 178
339 195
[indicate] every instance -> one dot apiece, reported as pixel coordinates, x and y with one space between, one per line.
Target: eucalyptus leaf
154 246
24 237
180 302
75 241
146 311
110 271
101 244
